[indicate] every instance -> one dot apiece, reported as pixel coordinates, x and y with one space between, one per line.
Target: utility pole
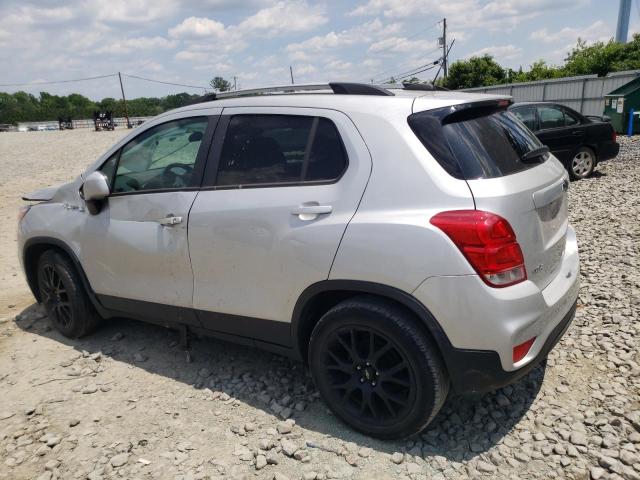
126 112
622 29
291 72
234 84
445 68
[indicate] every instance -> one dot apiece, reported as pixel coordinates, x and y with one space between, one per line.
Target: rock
284 428
597 473
45 476
309 476
140 358
629 458
397 458
578 438
93 388
288 447
117 337
607 462
280 476
73 422
261 462
272 457
51 464
119 460
6 415
53 441
485 467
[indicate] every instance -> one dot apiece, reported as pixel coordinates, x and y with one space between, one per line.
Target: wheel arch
35 247
320 297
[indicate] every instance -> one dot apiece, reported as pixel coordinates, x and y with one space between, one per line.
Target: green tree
603 57
219 84
474 72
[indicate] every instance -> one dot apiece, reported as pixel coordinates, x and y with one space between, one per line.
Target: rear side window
570 119
275 149
527 115
488 145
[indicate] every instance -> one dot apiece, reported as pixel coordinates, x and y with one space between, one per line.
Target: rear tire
582 164
64 297
376 369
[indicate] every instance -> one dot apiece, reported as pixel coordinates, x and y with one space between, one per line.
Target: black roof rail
343 88
338 88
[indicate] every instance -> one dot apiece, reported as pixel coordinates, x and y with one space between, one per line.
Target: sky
256 41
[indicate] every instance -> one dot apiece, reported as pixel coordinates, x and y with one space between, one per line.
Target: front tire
582 164
64 297
376 369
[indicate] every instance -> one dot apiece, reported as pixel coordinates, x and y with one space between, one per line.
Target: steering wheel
176 175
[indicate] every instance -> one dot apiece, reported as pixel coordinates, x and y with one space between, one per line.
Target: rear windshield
485 146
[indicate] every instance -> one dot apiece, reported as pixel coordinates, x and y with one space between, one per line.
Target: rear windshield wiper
535 153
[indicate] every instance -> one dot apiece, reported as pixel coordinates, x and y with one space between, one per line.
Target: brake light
520 351
488 242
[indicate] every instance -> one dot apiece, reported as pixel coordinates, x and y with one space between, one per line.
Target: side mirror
95 187
94 190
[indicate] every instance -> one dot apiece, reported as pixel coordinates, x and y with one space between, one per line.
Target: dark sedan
577 141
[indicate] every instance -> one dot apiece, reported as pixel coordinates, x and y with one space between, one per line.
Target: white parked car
399 242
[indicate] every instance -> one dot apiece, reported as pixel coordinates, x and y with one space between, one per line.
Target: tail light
614 136
520 351
488 243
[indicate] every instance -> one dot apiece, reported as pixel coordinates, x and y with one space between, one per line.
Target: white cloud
133 11
401 44
284 17
597 31
359 34
136 44
194 27
499 52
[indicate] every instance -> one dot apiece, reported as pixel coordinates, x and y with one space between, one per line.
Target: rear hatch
508 172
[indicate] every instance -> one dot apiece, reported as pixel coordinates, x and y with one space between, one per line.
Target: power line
58 81
165 83
380 74
419 71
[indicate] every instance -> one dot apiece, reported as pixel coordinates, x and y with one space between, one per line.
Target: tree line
598 58
25 107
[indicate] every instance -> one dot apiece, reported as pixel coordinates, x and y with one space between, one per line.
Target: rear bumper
481 324
477 371
608 150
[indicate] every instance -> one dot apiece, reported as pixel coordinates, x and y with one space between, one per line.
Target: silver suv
400 242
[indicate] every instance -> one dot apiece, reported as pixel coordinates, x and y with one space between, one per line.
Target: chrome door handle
170 220
312 210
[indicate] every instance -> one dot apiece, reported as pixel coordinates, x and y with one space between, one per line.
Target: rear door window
486 145
280 149
550 117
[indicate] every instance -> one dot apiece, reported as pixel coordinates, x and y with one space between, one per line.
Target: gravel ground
127 403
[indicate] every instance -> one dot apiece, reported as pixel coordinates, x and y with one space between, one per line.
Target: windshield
485 146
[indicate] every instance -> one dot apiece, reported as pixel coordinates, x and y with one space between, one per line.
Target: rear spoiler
466 111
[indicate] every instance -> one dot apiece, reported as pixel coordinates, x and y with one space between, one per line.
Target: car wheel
64 297
376 369
582 164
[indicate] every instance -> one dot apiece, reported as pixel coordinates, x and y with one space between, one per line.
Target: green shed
619 102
